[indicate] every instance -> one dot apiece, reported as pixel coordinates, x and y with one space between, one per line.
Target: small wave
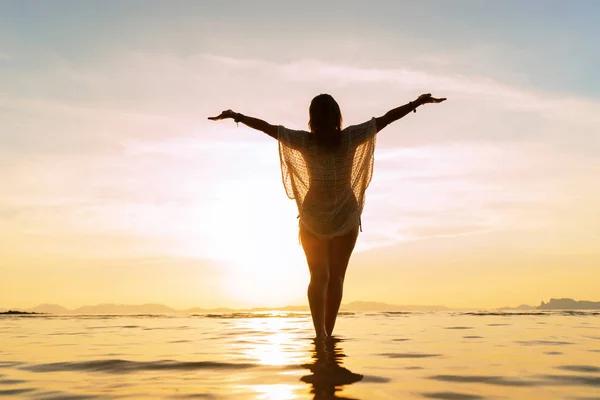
9 363
11 381
490 380
458 327
543 343
14 392
578 313
502 313
116 366
255 315
395 313
451 396
575 380
374 379
580 368
409 355
66 396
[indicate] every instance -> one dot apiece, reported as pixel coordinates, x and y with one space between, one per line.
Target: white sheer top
328 185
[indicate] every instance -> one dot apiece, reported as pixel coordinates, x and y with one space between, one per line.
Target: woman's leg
340 250
317 256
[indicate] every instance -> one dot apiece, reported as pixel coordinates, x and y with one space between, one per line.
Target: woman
327 171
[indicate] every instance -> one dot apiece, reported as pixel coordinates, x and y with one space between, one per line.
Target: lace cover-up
328 184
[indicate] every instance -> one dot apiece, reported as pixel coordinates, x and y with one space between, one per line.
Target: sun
249 228
265 263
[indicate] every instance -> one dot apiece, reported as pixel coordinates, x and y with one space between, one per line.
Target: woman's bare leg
340 250
317 256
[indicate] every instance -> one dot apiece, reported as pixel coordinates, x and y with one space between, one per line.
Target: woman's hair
325 120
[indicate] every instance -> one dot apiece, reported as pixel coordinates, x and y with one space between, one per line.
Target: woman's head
325 119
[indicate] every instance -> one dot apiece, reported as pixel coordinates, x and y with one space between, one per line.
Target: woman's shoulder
363 125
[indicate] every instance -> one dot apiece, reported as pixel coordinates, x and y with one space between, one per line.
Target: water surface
446 355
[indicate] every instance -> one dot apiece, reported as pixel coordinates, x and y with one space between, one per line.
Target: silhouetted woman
327 171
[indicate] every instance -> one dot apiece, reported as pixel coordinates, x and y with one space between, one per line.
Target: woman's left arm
253 123
399 112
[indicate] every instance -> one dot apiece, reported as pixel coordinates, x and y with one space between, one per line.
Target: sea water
272 355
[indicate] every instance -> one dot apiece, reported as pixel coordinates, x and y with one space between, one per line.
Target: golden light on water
276 392
275 344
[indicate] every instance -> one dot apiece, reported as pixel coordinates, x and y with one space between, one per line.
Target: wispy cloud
144 120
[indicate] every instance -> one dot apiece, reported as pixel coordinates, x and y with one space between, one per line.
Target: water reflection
328 375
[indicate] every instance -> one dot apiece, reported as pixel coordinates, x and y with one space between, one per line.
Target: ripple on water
14 392
393 313
502 314
543 343
458 327
11 381
409 355
375 379
6 364
125 366
573 380
451 396
490 380
580 368
67 396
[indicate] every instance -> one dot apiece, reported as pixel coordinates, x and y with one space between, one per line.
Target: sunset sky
115 188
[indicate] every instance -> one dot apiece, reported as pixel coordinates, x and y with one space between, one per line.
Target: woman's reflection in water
327 373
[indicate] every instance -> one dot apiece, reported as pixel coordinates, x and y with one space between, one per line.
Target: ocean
272 355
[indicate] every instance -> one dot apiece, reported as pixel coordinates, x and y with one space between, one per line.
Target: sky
116 188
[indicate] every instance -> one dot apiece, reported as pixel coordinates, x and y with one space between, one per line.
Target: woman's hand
426 98
224 115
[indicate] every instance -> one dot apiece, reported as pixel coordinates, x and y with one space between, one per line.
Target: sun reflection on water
279 343
276 392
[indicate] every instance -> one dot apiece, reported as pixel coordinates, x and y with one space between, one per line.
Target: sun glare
250 230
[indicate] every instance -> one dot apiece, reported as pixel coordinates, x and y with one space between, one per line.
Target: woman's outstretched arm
399 112
253 123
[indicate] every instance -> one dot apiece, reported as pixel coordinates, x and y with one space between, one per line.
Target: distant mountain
356 306
198 310
569 304
376 306
124 309
50 309
519 308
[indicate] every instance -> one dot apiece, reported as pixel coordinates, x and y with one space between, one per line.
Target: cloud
123 145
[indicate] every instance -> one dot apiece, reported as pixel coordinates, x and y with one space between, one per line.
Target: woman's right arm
252 122
399 112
